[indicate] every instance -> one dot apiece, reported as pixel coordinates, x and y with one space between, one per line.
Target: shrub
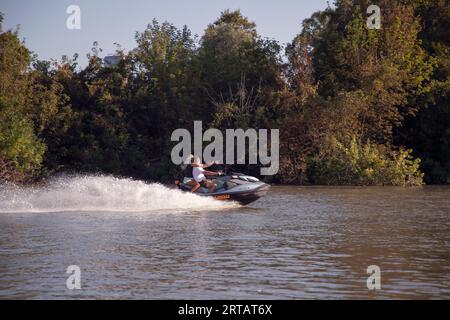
356 163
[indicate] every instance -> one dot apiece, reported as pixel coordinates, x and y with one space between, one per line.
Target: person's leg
194 184
195 187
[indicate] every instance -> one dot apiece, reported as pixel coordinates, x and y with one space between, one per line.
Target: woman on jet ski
192 162
199 174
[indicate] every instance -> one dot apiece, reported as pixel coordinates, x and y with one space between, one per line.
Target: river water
133 240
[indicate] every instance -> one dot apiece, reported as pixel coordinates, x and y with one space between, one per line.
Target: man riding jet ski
232 187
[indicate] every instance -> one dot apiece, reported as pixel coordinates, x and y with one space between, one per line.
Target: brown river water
144 241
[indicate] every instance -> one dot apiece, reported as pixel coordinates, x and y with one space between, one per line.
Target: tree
161 95
232 51
429 133
20 150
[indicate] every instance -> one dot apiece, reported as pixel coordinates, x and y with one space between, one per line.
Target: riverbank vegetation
354 106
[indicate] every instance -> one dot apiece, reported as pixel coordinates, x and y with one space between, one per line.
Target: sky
42 23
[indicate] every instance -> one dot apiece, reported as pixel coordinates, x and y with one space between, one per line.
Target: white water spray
100 193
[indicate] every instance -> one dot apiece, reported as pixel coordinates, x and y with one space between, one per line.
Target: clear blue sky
43 22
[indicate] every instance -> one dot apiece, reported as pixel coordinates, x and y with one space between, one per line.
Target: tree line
355 106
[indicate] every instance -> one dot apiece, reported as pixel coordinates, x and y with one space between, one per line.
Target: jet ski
236 187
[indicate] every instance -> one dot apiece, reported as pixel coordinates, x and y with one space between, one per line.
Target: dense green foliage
354 106
428 134
364 164
20 150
